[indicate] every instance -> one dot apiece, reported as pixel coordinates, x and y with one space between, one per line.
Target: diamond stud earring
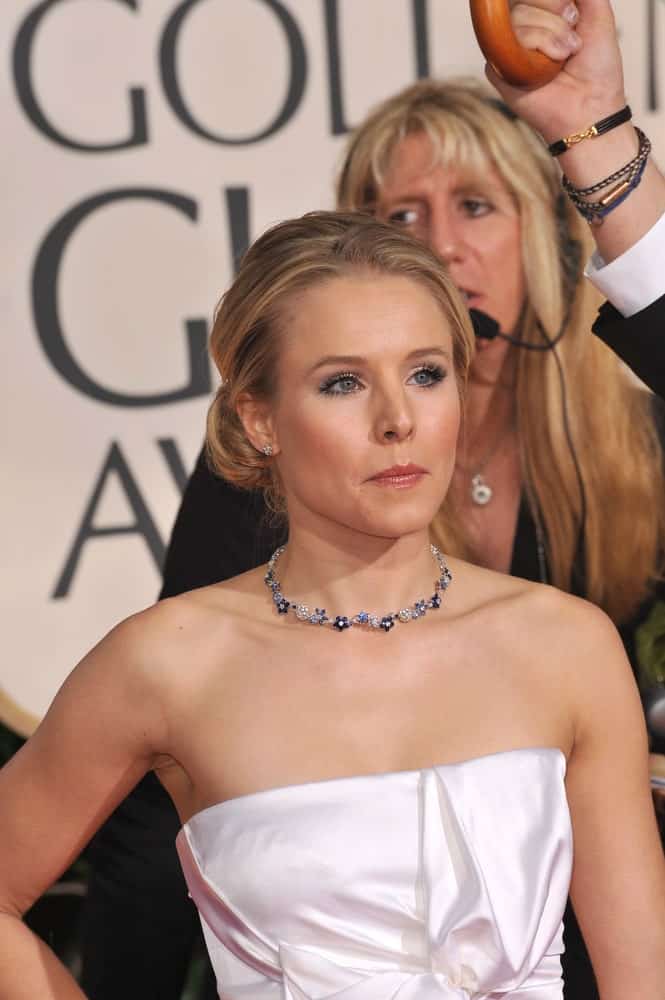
267 450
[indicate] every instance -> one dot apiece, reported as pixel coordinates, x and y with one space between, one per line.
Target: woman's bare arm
99 737
618 884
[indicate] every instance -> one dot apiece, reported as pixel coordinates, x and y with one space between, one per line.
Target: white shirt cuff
634 280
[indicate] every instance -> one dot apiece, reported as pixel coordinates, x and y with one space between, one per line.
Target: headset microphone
484 326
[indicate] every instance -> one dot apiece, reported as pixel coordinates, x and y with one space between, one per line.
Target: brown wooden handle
518 66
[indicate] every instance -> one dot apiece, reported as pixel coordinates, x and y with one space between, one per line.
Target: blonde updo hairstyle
285 261
616 447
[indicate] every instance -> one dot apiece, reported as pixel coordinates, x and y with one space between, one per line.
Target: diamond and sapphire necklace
341 622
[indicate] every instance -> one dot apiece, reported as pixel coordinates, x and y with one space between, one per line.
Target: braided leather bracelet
628 176
643 152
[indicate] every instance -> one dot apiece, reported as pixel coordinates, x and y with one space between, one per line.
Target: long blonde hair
609 417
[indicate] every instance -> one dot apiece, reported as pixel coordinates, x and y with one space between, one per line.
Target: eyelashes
475 208
348 383
403 217
428 376
471 206
340 384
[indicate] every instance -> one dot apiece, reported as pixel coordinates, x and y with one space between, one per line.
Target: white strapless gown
447 883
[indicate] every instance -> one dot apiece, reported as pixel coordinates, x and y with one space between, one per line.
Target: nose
394 419
445 235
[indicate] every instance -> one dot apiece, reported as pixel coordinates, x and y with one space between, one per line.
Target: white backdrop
142 141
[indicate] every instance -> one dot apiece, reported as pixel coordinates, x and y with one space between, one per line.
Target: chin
392 515
396 524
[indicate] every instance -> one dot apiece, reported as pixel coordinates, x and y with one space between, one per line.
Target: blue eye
342 384
428 376
346 383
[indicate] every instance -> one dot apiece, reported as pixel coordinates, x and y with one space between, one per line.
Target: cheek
440 426
321 435
506 261
450 431
506 285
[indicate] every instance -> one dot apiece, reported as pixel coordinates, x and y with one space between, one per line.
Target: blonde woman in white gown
387 778
382 758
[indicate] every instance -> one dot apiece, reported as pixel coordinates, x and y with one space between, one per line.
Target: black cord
551 342
487 328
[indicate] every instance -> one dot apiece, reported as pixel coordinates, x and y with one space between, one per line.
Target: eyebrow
350 360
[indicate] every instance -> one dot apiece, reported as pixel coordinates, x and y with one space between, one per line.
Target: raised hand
590 85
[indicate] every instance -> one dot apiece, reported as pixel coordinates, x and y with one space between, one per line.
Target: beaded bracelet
628 176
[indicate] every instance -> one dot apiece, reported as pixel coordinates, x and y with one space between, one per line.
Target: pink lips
399 475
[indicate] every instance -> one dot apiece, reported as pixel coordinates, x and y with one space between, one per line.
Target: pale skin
185 687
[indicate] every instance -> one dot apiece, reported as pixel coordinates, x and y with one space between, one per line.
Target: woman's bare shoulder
193 630
479 588
532 610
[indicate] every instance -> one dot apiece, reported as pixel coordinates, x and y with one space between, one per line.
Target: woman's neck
355 572
489 415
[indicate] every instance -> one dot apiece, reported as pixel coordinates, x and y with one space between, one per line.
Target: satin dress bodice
446 883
